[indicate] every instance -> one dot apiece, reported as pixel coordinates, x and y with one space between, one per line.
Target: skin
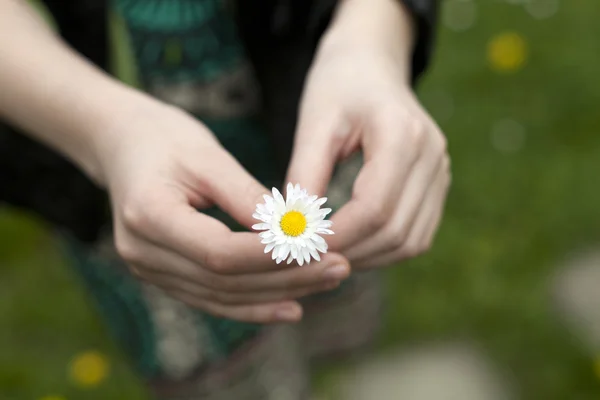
159 164
358 97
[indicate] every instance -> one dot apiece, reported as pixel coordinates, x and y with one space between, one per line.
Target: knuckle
441 147
128 251
216 261
211 260
398 238
416 132
135 215
377 216
412 130
446 163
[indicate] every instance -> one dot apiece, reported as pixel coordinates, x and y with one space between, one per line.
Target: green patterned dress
187 53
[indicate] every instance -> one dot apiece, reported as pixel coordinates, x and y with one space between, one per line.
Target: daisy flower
292 226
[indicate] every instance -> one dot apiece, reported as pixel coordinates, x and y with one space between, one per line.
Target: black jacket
36 178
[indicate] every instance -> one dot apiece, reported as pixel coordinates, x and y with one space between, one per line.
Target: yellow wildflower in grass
88 369
507 52
597 367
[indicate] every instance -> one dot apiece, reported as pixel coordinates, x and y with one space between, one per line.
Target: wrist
111 126
384 27
95 113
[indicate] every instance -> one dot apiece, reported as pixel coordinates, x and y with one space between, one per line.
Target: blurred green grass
511 219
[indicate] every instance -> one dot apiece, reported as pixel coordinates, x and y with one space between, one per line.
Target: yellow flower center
293 223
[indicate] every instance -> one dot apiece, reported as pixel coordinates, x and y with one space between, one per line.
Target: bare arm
53 93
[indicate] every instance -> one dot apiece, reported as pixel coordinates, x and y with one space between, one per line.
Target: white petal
289 194
269 247
313 217
300 260
306 255
322 247
296 205
268 240
324 211
315 254
294 251
302 207
280 208
325 231
266 234
325 224
268 200
261 227
285 251
275 252
277 196
262 217
321 201
270 205
317 239
290 259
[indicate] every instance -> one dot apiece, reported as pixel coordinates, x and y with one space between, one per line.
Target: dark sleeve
424 15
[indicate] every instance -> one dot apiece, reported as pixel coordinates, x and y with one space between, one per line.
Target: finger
332 268
420 184
169 222
376 191
417 242
316 150
231 187
286 311
435 221
178 284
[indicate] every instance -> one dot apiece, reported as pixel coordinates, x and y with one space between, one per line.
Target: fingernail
336 272
288 313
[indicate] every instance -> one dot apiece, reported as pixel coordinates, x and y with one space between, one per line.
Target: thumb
232 188
315 153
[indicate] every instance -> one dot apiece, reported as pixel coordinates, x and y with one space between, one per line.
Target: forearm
377 24
51 92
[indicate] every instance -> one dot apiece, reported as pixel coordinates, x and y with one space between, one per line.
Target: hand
357 96
159 166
